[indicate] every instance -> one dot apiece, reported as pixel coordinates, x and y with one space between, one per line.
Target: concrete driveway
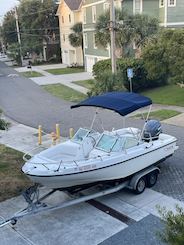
84 224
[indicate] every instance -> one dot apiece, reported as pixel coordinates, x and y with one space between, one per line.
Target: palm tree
144 28
129 29
76 38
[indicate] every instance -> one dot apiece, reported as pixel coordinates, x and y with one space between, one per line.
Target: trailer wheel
141 185
13 222
152 178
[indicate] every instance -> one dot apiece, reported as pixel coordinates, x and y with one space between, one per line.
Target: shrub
107 82
3 124
140 80
173 233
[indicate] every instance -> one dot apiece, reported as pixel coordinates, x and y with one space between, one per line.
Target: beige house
69 13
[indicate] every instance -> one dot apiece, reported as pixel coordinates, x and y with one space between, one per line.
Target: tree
129 29
102 36
9 33
14 52
38 23
164 56
143 28
76 38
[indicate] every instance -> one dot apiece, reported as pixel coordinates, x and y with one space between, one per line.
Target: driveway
65 79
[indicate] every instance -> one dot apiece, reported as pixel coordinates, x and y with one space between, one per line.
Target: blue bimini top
120 102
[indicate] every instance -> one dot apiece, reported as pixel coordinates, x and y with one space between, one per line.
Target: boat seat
85 148
130 130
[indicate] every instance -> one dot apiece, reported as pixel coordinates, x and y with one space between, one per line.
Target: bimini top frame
121 102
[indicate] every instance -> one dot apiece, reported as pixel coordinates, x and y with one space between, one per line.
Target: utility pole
18 35
112 30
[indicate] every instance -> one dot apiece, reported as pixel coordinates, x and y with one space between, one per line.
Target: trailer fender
134 180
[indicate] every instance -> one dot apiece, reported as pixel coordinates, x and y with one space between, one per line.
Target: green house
92 9
169 12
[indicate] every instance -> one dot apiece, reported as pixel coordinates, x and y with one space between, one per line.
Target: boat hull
118 170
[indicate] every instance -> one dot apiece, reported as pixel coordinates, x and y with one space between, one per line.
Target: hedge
139 81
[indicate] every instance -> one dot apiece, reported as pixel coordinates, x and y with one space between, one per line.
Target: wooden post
71 132
39 134
58 132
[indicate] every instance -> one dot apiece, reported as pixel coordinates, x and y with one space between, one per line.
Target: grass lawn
68 70
160 114
64 92
12 180
168 95
85 83
31 74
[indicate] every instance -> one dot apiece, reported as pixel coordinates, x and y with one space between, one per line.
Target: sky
6 5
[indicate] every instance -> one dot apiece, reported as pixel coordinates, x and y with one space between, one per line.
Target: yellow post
71 132
39 134
58 132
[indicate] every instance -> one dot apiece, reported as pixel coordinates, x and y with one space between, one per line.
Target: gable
73 4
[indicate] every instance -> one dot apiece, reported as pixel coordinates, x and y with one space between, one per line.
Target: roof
73 4
120 102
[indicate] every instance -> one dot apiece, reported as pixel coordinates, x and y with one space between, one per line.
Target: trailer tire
13 222
140 186
152 178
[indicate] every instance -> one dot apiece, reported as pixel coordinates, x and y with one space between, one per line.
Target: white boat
91 157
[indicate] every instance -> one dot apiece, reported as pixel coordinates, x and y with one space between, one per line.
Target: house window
94 43
162 3
85 40
172 3
64 37
62 19
137 6
106 7
69 17
84 15
94 14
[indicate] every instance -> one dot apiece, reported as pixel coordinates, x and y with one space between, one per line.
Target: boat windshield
106 142
80 135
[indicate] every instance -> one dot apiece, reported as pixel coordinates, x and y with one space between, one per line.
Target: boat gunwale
95 169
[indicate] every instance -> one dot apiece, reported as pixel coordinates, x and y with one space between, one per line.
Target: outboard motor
152 130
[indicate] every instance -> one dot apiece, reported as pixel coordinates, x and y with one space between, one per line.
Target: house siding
161 14
128 6
69 54
152 8
93 53
176 14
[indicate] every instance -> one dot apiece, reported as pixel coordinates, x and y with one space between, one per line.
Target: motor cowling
152 130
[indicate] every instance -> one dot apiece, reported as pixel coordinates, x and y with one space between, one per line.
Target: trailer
37 205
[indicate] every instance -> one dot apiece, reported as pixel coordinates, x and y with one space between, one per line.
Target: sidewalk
66 79
25 139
